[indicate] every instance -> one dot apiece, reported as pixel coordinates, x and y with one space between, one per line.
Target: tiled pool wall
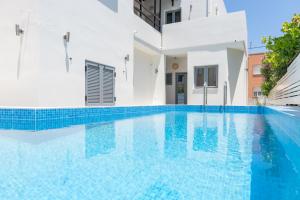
34 119
285 124
48 118
54 113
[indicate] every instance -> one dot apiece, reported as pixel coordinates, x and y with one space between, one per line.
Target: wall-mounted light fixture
68 59
175 66
67 37
126 58
19 31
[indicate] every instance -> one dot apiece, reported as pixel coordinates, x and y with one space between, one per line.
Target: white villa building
76 53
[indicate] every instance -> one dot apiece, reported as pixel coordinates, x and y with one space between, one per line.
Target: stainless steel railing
225 94
205 94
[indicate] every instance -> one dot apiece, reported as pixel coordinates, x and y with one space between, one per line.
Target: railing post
225 94
141 8
160 15
154 17
205 94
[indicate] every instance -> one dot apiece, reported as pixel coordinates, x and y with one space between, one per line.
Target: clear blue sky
264 17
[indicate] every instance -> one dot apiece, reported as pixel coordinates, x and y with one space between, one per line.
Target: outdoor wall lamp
19 31
126 58
67 37
68 59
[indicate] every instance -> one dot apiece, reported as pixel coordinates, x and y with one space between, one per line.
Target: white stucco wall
226 29
91 38
148 78
231 68
146 34
170 89
34 73
207 58
18 55
237 77
101 31
194 9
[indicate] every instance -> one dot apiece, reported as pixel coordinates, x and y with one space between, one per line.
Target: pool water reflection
173 155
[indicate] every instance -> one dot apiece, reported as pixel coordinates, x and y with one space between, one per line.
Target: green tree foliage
280 52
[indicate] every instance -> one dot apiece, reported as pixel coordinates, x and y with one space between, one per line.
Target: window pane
180 79
212 76
169 18
169 79
199 77
178 16
256 69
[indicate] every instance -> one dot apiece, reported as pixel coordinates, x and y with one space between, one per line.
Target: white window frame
254 71
206 75
257 92
173 11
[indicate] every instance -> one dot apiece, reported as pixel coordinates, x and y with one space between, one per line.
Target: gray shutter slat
93 85
108 86
100 83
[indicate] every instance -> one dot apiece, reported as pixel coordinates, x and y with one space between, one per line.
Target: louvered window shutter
108 85
92 74
100 84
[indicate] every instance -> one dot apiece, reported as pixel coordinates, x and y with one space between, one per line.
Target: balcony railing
152 18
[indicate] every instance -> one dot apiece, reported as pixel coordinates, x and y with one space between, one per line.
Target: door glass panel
180 79
180 89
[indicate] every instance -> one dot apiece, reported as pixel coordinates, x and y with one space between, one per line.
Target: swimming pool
183 152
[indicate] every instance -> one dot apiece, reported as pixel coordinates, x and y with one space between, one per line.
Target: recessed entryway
176 79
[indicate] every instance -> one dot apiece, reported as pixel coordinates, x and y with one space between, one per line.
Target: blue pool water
170 155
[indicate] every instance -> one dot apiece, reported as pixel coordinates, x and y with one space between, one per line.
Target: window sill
210 90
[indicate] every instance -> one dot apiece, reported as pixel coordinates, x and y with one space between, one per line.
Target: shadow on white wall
111 4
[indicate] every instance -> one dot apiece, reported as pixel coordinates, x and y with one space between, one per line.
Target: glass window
257 70
199 76
169 18
178 16
257 92
173 16
206 74
169 79
212 77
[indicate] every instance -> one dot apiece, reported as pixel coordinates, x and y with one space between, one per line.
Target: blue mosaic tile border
58 113
39 119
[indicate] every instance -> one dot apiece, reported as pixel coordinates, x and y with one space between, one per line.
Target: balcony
229 29
149 11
